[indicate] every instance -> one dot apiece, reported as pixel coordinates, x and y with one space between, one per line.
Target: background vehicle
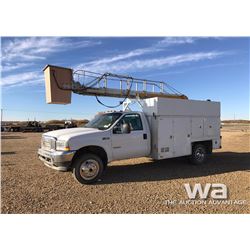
60 125
33 126
30 126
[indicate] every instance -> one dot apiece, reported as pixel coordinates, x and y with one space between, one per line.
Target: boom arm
61 82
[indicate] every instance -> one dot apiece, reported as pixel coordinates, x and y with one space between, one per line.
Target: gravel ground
131 186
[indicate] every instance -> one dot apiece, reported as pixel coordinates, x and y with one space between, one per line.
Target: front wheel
87 168
199 154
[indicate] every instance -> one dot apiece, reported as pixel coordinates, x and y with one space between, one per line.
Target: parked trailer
31 126
51 127
12 128
67 124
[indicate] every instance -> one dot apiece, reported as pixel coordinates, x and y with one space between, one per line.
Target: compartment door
212 127
165 138
197 128
182 136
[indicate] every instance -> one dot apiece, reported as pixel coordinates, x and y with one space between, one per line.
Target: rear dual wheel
199 154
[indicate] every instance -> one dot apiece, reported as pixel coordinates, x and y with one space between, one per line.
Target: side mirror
126 129
116 130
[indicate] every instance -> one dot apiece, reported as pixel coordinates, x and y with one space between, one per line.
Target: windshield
103 121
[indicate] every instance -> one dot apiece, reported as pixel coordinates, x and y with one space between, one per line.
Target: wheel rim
200 154
89 169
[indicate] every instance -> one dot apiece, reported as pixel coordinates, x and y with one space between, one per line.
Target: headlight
62 145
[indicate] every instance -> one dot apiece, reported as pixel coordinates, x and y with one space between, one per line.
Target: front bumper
59 160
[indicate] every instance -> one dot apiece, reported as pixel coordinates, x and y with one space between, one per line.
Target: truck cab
87 150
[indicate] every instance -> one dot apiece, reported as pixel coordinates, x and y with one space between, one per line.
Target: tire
93 166
199 154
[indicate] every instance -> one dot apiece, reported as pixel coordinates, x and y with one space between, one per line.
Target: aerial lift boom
61 82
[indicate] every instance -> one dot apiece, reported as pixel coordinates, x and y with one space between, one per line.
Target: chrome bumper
58 160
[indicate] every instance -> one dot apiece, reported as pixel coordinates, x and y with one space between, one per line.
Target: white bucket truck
165 128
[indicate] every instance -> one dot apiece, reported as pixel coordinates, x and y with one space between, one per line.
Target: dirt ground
130 186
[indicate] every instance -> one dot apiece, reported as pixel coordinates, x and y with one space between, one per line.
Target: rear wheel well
208 144
99 151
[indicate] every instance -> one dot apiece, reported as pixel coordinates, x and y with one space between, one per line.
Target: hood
71 132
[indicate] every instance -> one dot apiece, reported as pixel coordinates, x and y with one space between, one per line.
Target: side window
134 120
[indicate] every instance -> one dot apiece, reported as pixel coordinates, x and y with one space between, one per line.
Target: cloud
158 46
168 41
22 79
21 53
9 66
19 50
130 54
188 69
152 63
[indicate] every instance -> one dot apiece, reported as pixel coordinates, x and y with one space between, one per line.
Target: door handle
145 136
105 138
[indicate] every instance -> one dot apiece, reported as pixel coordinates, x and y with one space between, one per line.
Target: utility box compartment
176 124
180 107
57 80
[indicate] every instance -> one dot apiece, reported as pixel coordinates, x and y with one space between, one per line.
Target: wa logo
216 191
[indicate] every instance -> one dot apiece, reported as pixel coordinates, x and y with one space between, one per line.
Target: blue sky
200 67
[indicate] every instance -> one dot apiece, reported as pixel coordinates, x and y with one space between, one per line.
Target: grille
48 143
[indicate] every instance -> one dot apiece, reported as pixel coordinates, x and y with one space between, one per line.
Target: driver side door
133 144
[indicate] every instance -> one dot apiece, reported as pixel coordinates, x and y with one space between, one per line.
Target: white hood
71 132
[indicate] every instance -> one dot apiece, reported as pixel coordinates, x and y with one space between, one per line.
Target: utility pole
1 115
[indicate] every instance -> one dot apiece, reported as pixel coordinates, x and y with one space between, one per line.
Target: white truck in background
165 128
